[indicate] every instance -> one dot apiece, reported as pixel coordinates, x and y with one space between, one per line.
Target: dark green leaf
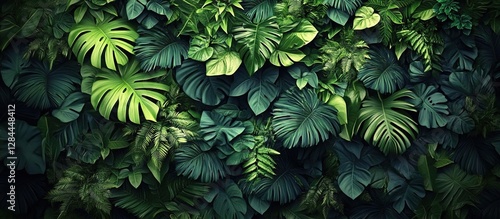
300 119
158 48
209 90
431 105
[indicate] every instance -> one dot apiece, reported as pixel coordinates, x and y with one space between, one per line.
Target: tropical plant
385 124
159 48
256 42
83 188
132 90
108 38
300 119
250 108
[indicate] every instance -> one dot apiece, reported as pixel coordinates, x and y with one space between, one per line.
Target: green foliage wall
252 108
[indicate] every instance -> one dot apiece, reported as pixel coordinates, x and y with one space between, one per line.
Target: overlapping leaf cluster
253 108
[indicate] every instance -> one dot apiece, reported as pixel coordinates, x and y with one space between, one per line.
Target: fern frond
423 42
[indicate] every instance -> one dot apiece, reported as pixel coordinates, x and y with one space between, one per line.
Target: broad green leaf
42 88
431 105
353 97
200 49
455 188
229 203
215 128
300 35
460 50
133 91
365 18
134 8
256 42
223 63
158 48
339 103
258 204
62 24
111 39
425 14
70 108
382 72
197 164
284 187
405 192
135 178
210 90
459 120
428 171
160 7
88 73
259 10
261 89
286 57
28 148
13 65
353 169
385 124
10 28
338 16
300 119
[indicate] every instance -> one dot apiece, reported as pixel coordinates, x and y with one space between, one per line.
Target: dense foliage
252 108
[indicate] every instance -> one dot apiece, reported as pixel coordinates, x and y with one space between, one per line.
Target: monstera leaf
455 188
431 105
405 193
475 155
300 119
259 10
111 39
256 42
288 51
210 90
365 18
459 120
260 87
42 88
284 187
159 48
228 202
382 72
460 50
198 164
355 161
385 124
215 127
132 90
71 107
